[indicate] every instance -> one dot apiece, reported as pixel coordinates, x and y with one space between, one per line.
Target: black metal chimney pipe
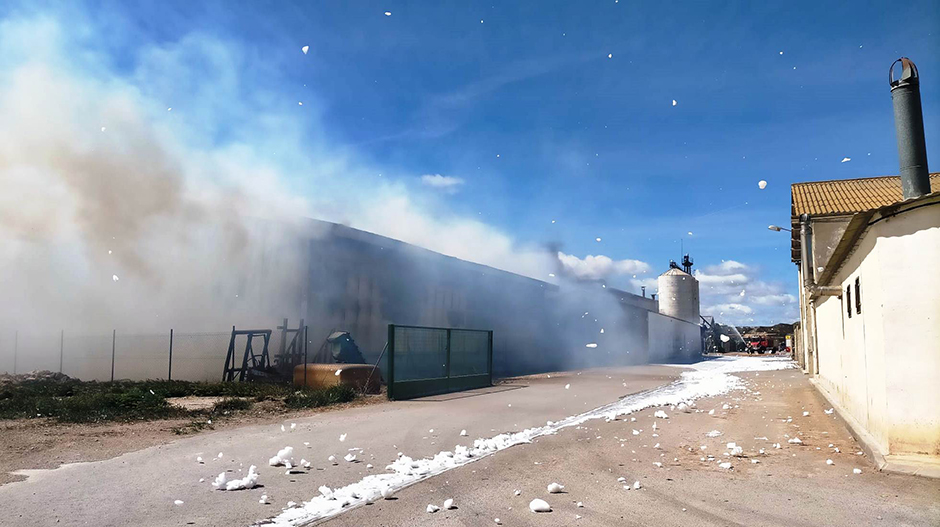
909 123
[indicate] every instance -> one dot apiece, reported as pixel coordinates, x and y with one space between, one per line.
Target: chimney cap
909 75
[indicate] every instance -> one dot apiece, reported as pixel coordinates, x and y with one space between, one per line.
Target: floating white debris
712 411
555 488
283 429
350 457
388 13
199 459
264 499
845 159
449 504
342 437
220 455
636 432
762 184
636 485
178 502
805 414
114 277
332 459
591 345
567 386
674 102
829 411
538 505
369 465
795 441
463 433
713 433
830 462
725 465
337 372
580 505
387 492
103 128
856 471
737 451
433 508
305 49
658 464
293 426
660 414
725 407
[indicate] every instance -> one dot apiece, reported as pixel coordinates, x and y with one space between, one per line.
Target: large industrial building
360 282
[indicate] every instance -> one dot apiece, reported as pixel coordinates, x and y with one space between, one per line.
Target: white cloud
724 309
596 267
446 183
763 302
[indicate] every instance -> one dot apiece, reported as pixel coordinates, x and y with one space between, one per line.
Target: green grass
340 393
88 402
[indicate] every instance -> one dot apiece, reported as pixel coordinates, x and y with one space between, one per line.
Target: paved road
789 486
140 488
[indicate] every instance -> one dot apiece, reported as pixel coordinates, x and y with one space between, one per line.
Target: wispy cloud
734 293
598 267
450 184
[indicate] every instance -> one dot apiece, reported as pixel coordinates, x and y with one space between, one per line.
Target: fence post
61 347
447 367
16 346
305 356
169 372
113 337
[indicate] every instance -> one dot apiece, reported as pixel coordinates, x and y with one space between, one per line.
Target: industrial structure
361 282
869 329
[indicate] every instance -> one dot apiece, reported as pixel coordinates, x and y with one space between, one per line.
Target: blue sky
535 112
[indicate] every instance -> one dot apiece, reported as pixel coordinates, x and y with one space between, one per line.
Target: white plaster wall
908 250
883 365
671 339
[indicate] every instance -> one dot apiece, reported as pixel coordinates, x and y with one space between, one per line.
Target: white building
870 311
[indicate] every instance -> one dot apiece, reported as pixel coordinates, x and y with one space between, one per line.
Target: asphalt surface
140 488
789 486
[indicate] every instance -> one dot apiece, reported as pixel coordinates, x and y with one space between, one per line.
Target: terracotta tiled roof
848 196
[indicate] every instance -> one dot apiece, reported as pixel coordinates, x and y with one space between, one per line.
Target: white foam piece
539 505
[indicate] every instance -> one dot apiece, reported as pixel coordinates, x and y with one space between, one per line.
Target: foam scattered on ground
707 379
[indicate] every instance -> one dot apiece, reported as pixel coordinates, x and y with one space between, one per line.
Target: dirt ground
792 485
45 443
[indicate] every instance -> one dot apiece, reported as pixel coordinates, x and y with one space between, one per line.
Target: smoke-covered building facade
360 282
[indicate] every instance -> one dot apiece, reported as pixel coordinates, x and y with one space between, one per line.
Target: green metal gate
426 361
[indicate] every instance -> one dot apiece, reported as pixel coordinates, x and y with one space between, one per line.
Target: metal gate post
113 337
61 347
169 371
489 361
391 361
305 356
447 364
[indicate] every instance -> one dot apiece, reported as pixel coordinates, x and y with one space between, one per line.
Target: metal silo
678 295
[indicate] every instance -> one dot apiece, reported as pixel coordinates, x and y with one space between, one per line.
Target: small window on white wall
848 300
858 295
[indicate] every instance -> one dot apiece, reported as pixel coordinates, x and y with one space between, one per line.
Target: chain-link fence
101 357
